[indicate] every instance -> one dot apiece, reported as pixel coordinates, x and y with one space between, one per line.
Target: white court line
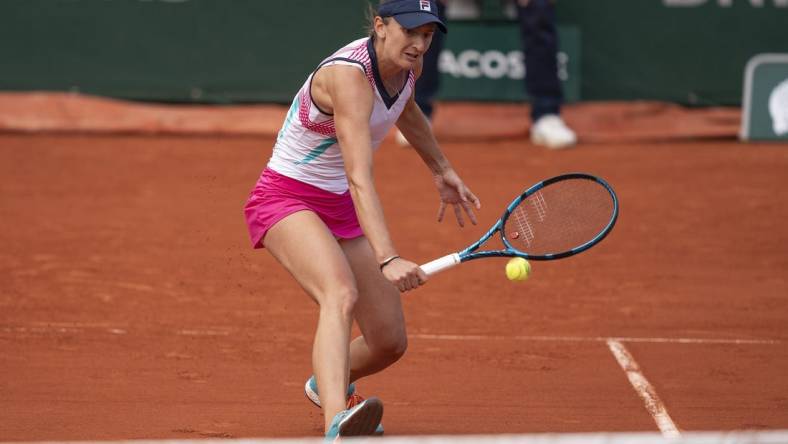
593 339
78 327
720 437
203 333
644 389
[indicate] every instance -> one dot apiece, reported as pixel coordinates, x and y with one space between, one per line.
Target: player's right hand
404 274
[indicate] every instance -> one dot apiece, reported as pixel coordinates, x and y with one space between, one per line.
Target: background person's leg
540 44
428 85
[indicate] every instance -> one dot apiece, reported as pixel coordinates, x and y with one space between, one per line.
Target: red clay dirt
132 306
596 122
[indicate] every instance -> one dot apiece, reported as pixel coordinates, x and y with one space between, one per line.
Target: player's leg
307 249
378 313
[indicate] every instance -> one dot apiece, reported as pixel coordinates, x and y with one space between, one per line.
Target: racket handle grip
440 264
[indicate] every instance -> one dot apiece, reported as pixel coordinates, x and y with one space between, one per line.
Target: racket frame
470 253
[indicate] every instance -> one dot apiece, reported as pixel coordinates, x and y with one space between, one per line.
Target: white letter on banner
465 59
516 65
778 108
753 3
494 64
683 3
563 62
448 63
721 3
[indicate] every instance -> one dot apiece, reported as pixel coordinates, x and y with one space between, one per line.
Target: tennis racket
555 218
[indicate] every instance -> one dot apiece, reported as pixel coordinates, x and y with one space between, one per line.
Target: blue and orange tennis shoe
353 400
360 420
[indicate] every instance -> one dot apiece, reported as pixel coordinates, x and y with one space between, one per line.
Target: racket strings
526 231
540 205
560 217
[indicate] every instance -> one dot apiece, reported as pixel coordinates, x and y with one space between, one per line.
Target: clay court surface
132 306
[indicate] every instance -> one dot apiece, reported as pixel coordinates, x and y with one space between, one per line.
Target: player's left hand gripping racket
555 218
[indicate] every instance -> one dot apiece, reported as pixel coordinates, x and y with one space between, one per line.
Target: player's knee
392 347
342 299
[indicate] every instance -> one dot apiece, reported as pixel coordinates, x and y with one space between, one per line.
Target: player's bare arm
352 101
451 189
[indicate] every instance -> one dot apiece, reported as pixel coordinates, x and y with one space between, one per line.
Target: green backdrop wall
687 51
187 50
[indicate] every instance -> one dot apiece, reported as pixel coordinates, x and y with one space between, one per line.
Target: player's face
406 47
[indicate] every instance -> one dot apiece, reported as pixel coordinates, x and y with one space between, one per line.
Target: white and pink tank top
306 148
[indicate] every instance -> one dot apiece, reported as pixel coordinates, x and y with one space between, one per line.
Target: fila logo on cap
425 5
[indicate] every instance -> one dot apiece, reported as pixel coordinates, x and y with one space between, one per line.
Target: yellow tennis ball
518 269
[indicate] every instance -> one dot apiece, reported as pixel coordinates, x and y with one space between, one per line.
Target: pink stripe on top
276 196
327 128
324 128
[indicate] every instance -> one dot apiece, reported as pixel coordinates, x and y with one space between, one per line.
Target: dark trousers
540 45
429 82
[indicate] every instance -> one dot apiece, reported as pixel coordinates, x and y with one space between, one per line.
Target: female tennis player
316 210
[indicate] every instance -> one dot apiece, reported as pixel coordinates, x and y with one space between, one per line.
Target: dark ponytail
371 14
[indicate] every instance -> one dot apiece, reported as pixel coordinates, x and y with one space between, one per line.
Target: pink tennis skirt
275 197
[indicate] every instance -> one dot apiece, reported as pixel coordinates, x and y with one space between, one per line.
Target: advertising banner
765 103
485 61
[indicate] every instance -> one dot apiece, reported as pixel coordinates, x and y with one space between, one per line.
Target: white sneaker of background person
551 131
